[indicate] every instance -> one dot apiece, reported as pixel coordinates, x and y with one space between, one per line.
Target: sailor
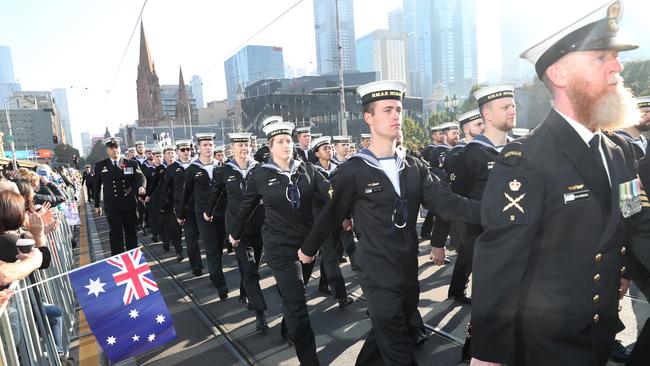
303 150
262 154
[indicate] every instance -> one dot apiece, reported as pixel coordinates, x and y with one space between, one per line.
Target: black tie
115 163
594 145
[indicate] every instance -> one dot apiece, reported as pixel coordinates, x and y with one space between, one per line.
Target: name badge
629 200
373 189
490 165
128 170
576 196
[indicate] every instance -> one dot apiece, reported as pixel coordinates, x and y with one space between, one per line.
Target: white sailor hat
131 149
316 135
140 142
183 143
366 136
341 139
596 31
219 148
519 132
383 89
318 142
449 126
168 148
204 136
278 128
303 129
470 116
253 137
353 145
240 137
493 92
157 151
643 102
112 141
148 150
269 120
436 128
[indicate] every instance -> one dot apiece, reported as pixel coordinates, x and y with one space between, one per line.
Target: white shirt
586 136
389 166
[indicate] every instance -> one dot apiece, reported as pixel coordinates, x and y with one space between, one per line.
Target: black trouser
89 192
329 269
191 230
121 230
174 231
249 253
641 351
291 278
142 210
213 235
390 341
465 254
157 221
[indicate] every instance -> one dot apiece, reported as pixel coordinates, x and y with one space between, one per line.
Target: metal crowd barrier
25 335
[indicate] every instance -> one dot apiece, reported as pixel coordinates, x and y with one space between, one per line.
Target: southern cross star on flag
123 306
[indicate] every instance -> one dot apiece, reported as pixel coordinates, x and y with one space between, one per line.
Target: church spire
148 87
182 101
145 55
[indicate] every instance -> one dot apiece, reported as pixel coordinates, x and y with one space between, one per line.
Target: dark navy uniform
143 211
288 198
186 205
434 155
547 268
153 192
231 181
87 179
304 155
386 254
197 183
121 182
262 154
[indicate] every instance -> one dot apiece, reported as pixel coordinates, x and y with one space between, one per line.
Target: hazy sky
78 44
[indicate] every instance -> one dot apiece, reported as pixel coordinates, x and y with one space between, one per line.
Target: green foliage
97 153
637 77
470 102
415 136
437 118
64 154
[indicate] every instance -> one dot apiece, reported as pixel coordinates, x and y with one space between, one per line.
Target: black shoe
421 338
154 238
342 260
223 293
345 302
197 271
619 353
260 321
462 299
324 290
166 247
179 257
285 336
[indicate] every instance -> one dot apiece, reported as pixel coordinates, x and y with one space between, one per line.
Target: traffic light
55 139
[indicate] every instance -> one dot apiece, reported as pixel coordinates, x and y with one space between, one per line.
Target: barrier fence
26 336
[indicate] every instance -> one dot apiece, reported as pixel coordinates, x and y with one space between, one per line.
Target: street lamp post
11 141
189 115
451 105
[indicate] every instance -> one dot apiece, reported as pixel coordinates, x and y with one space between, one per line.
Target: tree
65 154
438 118
415 136
637 77
470 102
97 153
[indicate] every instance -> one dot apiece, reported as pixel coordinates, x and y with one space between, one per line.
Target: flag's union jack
132 273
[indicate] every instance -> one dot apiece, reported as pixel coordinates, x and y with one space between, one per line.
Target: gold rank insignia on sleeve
514 205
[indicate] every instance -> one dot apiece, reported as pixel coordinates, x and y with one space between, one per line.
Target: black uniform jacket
196 184
435 154
120 184
262 154
230 180
176 187
288 199
386 254
299 153
551 257
157 180
87 178
168 187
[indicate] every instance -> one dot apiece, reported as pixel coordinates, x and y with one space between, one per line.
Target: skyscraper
60 97
396 20
383 51
326 42
148 87
7 81
442 48
251 64
196 84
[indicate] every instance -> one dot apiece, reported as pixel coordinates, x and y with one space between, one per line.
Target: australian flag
123 306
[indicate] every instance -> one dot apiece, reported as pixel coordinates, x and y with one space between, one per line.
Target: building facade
150 109
383 51
250 64
196 89
326 42
60 97
7 80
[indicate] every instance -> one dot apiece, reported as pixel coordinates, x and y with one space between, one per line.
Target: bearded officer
547 269
121 180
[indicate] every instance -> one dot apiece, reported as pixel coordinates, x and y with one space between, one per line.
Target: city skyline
86 41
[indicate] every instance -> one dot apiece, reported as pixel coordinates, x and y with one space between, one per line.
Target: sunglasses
184 149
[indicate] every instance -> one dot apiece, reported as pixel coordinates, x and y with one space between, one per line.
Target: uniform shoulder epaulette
512 154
